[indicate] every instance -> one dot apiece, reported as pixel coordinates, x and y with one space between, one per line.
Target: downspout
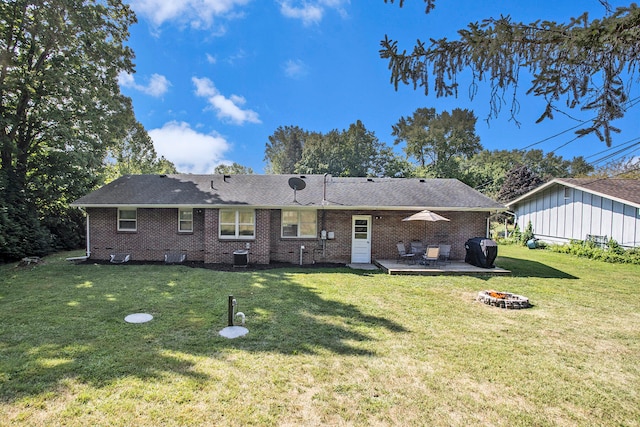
515 221
487 233
324 212
88 237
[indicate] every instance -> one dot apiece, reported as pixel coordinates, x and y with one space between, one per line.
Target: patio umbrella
425 215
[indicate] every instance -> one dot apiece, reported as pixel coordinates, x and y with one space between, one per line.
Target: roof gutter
296 206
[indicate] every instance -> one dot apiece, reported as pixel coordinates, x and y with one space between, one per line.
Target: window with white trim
237 224
127 219
299 223
185 220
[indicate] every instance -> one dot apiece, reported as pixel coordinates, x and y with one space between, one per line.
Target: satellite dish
296 184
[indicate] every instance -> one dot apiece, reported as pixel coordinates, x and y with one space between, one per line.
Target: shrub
613 253
527 235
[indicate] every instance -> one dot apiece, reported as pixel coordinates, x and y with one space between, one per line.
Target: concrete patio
451 268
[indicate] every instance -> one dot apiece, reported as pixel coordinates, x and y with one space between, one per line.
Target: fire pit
503 299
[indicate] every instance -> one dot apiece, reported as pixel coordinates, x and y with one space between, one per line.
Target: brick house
209 217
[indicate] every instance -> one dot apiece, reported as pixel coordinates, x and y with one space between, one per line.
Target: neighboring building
576 209
209 217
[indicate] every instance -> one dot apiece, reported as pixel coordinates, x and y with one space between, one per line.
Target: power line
630 104
556 135
611 148
611 156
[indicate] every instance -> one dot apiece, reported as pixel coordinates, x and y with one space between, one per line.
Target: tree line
435 145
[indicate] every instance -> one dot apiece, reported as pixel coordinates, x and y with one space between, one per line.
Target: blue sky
215 78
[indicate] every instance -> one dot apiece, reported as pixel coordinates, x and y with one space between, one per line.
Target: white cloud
226 108
157 86
307 13
311 12
190 151
295 68
211 59
198 13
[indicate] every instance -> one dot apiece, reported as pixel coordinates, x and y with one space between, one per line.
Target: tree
135 154
438 141
625 167
518 181
486 171
60 105
355 151
233 169
584 63
284 149
579 167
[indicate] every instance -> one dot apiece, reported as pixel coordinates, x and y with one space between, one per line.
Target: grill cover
481 252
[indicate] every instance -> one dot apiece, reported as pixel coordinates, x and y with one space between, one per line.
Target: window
567 192
299 224
185 220
127 219
237 224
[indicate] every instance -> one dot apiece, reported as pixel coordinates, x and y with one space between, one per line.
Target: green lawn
325 347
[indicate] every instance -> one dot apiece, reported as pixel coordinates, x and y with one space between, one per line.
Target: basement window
127 219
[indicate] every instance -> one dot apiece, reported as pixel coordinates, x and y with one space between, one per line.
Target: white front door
361 239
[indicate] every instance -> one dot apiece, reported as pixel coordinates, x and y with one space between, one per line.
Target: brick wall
288 249
220 251
389 229
158 233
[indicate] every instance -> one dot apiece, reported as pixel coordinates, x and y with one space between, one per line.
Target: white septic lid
234 332
138 318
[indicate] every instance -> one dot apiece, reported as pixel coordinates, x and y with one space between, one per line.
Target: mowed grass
325 347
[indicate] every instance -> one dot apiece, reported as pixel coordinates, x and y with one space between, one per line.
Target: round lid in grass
138 318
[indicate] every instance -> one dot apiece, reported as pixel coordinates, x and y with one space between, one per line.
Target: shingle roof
273 191
623 190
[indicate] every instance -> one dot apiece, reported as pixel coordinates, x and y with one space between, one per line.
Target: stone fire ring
503 299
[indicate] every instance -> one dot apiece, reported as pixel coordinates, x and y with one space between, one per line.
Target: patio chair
403 256
445 250
431 255
417 248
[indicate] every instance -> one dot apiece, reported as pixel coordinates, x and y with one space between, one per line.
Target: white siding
607 217
559 219
562 216
585 219
596 216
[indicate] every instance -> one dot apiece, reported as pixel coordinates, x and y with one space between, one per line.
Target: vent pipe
324 189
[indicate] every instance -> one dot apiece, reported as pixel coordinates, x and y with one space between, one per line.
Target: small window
185 220
237 224
127 219
567 192
299 224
